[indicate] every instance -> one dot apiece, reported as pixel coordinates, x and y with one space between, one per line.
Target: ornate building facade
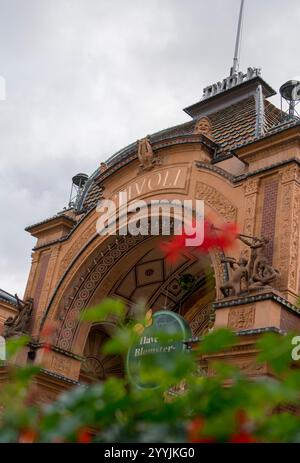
241 155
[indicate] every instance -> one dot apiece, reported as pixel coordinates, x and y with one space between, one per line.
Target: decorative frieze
61 365
251 193
289 229
200 323
241 318
216 200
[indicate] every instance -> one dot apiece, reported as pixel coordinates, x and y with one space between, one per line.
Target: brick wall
41 278
269 210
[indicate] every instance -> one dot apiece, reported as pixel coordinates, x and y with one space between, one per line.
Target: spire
235 67
236 87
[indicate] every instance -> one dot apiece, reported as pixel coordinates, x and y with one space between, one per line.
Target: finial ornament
103 167
145 154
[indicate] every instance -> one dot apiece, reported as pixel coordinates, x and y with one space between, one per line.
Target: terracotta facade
250 180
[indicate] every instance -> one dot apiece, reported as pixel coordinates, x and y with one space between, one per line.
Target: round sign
174 330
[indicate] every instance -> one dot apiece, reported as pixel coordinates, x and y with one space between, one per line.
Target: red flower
195 430
84 436
46 347
222 237
27 436
242 437
47 334
173 248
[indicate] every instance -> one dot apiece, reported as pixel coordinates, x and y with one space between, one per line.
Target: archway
186 287
97 366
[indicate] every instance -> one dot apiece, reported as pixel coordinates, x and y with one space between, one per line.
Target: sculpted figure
255 274
203 126
238 283
103 167
145 154
19 324
257 246
263 274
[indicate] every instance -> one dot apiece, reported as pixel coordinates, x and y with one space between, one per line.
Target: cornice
249 299
210 145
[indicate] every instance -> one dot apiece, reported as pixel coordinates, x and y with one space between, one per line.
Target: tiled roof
8 298
231 127
235 125
49 219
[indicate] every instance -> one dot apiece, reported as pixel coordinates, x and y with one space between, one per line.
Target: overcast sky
87 77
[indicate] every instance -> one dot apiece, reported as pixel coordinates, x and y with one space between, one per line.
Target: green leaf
108 308
217 341
26 373
276 350
14 345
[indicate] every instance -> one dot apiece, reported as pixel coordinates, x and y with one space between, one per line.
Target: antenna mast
235 67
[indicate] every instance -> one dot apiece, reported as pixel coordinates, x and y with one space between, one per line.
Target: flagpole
235 67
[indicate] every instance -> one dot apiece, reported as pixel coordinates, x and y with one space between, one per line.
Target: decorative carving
249 220
239 281
289 226
260 272
263 274
252 367
251 186
103 168
241 318
251 192
216 201
203 127
247 367
202 321
250 274
19 324
103 263
146 154
61 365
285 234
84 286
290 173
294 261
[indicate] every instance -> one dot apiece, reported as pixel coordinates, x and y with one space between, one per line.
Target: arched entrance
186 286
97 366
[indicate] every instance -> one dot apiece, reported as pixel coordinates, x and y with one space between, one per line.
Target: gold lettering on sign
168 178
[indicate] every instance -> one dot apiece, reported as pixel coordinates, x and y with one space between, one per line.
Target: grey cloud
87 77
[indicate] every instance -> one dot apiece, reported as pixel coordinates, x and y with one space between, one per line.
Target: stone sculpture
19 324
251 274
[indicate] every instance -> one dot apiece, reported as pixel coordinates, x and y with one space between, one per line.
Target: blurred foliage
189 406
